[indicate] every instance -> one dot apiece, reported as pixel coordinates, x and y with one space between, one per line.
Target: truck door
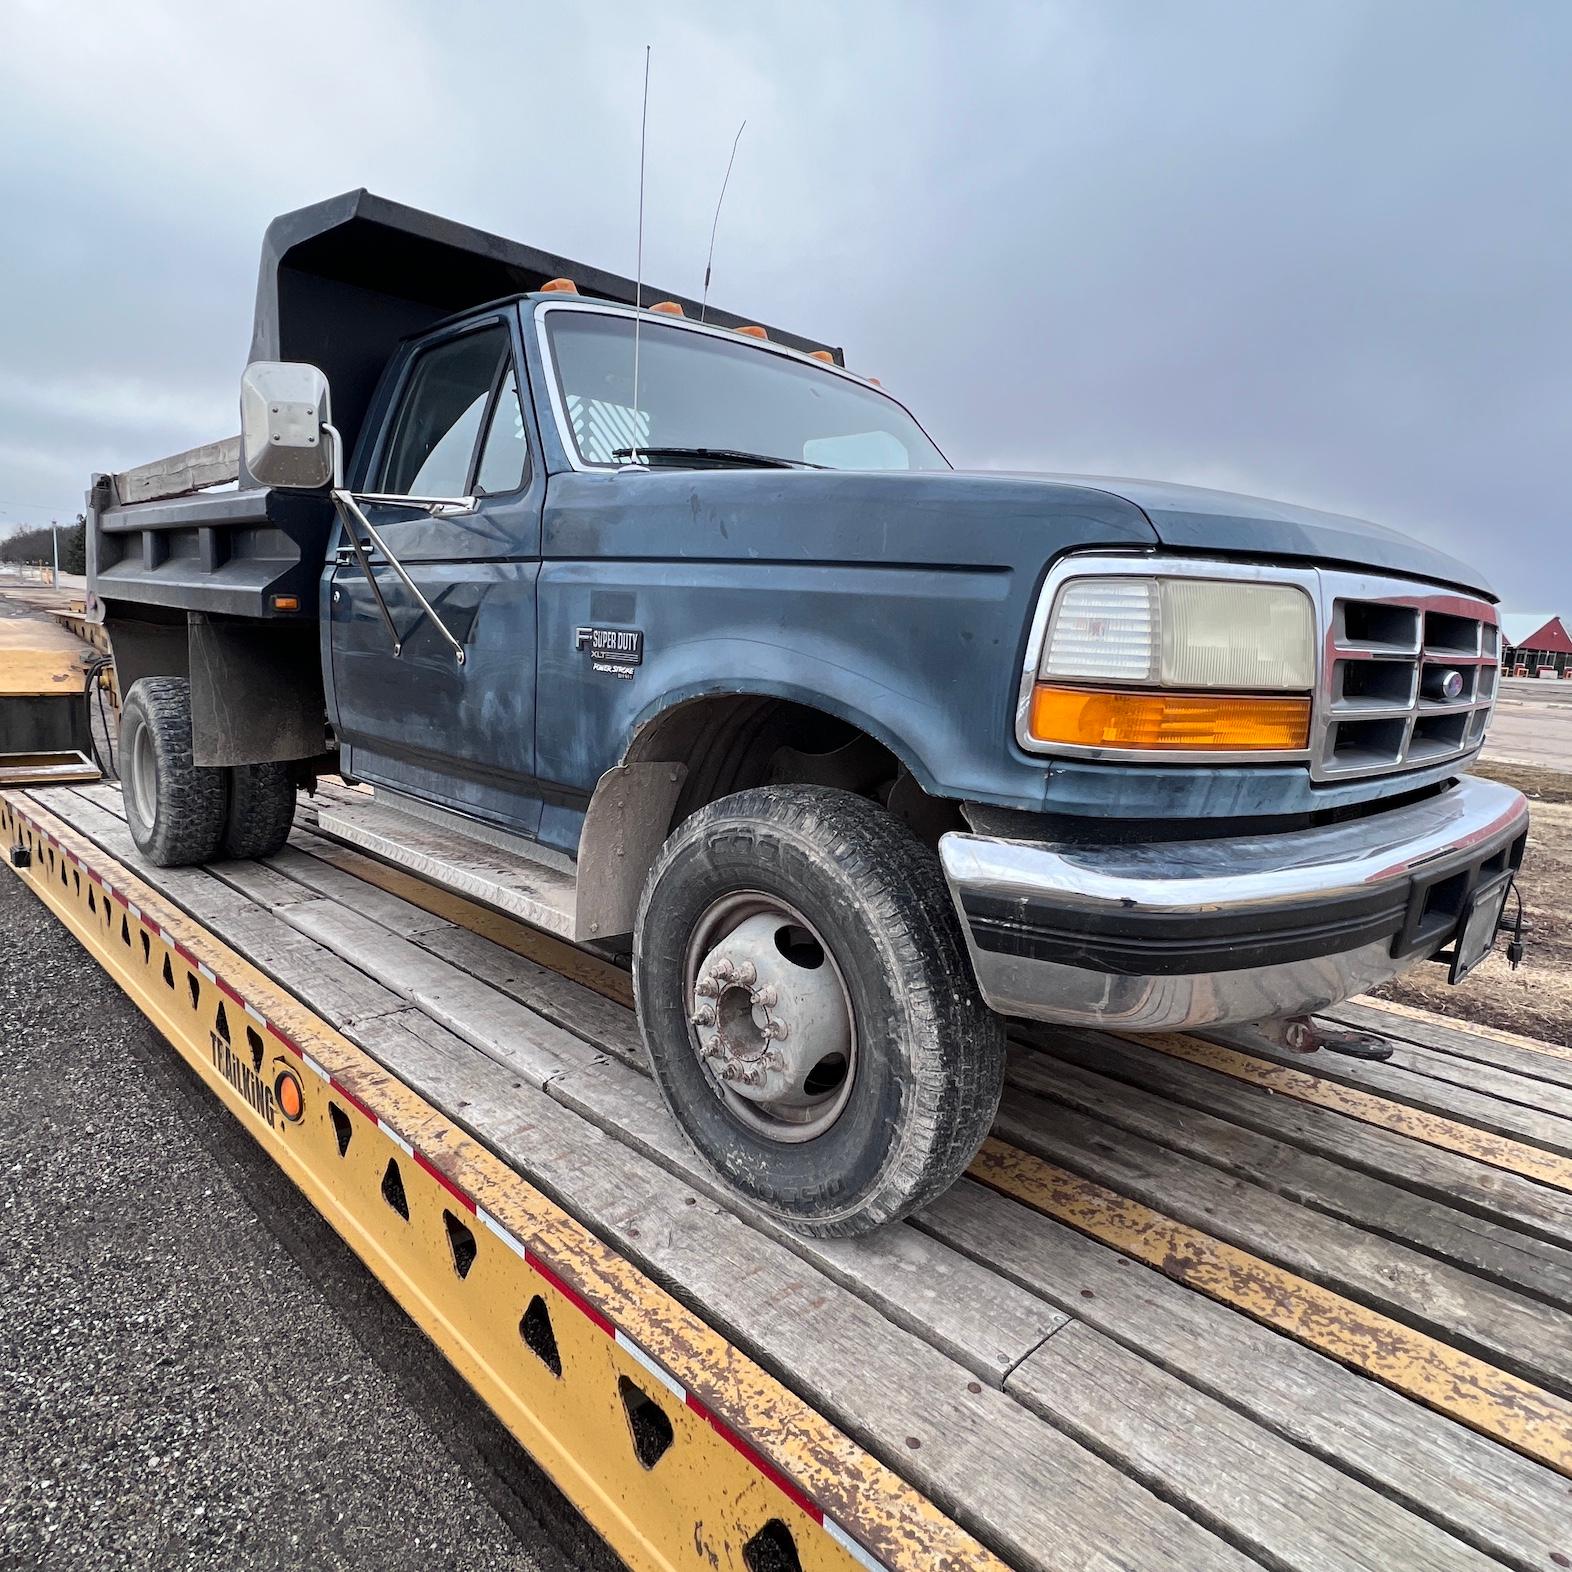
410 715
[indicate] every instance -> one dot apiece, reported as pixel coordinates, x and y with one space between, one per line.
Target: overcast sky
1319 251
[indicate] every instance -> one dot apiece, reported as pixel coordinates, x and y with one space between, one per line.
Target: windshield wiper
718 458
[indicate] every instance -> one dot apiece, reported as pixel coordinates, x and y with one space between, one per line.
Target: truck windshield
700 391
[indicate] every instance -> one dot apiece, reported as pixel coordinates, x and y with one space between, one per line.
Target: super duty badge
614 651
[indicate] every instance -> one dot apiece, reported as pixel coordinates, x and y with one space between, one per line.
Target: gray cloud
1312 252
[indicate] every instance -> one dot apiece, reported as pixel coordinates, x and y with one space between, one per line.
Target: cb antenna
638 267
709 261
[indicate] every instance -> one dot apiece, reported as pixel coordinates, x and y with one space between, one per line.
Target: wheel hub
771 1020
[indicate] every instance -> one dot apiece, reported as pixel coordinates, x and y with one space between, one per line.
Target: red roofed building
1532 643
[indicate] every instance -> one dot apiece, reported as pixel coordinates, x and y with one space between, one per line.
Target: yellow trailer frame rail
677 1448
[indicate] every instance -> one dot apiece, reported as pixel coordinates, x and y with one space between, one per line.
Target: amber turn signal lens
1098 718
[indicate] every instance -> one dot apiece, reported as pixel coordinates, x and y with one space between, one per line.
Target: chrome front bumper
1160 936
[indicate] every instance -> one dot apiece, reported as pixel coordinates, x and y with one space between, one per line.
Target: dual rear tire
180 812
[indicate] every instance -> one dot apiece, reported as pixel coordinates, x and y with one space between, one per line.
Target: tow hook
1302 1034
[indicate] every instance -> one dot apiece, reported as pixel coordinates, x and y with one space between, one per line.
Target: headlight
1185 664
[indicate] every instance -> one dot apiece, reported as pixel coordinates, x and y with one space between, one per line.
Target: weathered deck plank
1448 1177
1279 1504
1501 1502
1447 1233
1506 1329
1071 1407
1478 1108
1467 1050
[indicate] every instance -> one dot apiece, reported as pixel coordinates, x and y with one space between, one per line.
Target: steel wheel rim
141 773
805 1112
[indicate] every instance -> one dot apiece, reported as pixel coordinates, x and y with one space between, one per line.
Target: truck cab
668 632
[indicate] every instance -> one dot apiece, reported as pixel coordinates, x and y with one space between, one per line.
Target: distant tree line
36 545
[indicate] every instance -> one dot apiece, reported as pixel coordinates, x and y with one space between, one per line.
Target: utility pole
54 535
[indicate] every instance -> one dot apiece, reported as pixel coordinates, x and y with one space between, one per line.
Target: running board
520 886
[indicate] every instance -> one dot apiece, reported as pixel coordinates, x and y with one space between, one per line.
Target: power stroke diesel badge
612 651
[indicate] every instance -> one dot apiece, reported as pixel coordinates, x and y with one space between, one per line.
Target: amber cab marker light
286 603
559 286
822 354
753 331
668 308
1100 718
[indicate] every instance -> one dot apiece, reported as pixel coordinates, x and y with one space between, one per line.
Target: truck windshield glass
700 391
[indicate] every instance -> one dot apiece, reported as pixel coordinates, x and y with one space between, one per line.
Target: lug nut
746 974
766 998
704 1015
708 988
723 970
773 1031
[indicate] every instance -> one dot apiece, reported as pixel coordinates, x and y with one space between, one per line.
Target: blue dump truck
665 631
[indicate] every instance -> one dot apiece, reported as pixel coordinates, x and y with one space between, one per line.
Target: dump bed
231 553
341 284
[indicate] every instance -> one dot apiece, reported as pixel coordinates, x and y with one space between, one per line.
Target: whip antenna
638 268
710 259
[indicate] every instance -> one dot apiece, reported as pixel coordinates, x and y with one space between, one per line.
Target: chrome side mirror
284 409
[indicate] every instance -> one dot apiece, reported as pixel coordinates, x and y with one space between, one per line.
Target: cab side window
456 391
502 456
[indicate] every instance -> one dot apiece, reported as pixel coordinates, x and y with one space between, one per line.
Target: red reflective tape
763 1464
424 1162
573 1296
228 992
288 1042
353 1101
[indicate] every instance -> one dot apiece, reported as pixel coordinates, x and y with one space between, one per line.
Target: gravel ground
194 1371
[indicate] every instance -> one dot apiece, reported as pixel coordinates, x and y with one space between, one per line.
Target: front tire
174 808
809 1008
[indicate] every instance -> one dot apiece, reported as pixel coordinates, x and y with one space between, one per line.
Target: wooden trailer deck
1194 1307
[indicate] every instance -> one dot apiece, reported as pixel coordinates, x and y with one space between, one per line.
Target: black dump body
341 283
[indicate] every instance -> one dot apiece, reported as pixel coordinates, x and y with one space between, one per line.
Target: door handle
344 557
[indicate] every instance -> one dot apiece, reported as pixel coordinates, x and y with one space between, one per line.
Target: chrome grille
1408 676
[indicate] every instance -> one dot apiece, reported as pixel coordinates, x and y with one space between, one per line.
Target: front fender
925 660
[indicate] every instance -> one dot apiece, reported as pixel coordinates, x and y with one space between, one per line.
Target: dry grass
1535 1000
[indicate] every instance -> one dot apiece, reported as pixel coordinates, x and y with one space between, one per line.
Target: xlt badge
613 651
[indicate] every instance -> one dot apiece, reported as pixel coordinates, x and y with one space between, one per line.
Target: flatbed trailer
1194 1306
